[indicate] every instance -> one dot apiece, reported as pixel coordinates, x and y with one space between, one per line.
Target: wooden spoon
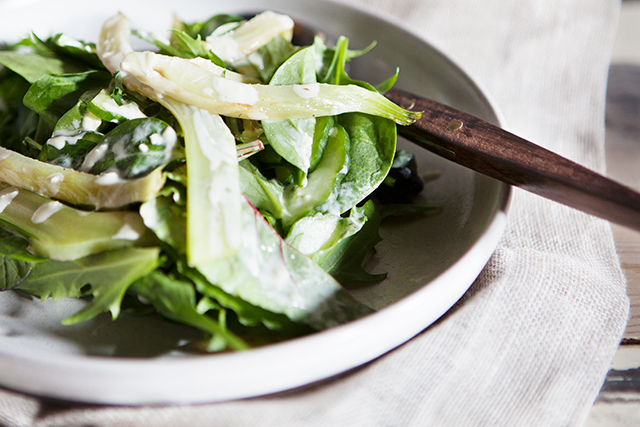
492 151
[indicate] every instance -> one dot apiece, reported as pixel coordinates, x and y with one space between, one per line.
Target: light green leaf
269 273
293 139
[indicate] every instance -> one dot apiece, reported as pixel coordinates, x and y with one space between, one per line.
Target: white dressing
45 211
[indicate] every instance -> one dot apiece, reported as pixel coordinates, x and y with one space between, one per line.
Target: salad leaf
71 50
167 220
204 29
264 62
269 273
108 274
132 149
107 190
32 66
176 300
293 139
17 122
264 194
60 232
213 189
16 261
54 94
373 143
186 82
299 201
340 245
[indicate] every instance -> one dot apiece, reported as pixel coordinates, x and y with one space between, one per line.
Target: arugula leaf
16 261
109 275
249 315
176 300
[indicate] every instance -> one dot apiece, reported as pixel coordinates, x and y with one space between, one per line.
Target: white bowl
431 260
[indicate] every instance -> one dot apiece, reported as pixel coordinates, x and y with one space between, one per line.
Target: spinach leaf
205 28
293 139
132 149
346 254
52 95
373 144
268 58
168 220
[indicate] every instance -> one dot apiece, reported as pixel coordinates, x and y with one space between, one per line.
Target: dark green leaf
371 152
84 54
109 275
52 95
176 300
32 66
205 28
15 260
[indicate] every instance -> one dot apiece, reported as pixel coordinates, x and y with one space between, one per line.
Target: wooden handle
492 151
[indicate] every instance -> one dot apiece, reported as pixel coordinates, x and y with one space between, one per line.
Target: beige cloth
531 342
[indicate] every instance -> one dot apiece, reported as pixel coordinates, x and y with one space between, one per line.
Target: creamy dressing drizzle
94 156
129 230
6 197
307 91
45 211
235 92
108 178
4 153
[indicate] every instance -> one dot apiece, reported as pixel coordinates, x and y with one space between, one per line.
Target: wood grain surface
618 403
623 164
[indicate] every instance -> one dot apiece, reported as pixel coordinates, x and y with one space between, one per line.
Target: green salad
222 178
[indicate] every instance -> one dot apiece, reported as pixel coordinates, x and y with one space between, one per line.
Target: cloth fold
532 340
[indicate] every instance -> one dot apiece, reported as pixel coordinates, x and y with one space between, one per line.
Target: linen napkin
531 342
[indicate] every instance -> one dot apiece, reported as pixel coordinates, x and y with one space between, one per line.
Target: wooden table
619 401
